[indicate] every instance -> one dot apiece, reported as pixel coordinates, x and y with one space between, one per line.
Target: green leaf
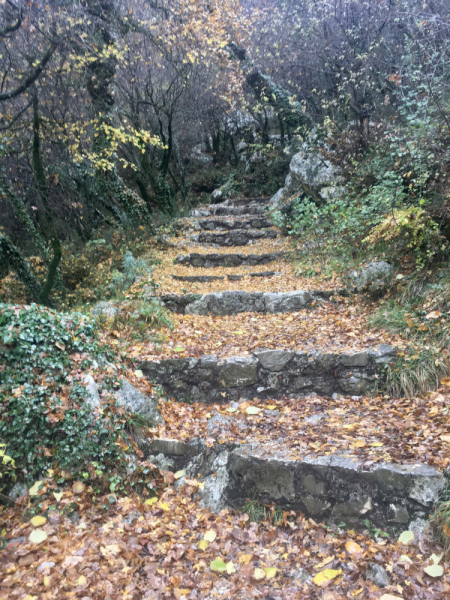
218 565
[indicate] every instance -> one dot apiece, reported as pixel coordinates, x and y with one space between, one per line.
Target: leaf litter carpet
170 547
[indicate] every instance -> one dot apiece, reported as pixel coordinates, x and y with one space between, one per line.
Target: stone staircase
331 487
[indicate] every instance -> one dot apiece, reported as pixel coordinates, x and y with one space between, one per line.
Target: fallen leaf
38 521
58 495
252 410
37 536
81 580
230 568
434 570
353 547
72 561
78 487
327 575
445 438
259 574
406 537
390 597
434 314
179 474
35 488
151 501
436 558
203 545
210 536
218 565
271 572
139 373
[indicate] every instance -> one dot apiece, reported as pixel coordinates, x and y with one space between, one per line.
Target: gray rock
217 195
280 302
213 495
241 147
227 260
377 574
219 423
92 396
105 309
375 276
137 402
301 575
45 567
238 371
274 360
18 489
161 461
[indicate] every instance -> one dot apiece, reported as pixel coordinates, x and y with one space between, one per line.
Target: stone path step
245 201
269 374
227 224
228 260
230 277
235 302
334 489
234 237
231 211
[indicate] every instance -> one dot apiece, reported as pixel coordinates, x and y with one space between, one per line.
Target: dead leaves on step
373 430
328 326
170 547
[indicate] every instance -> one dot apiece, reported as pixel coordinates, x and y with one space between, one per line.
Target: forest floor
170 547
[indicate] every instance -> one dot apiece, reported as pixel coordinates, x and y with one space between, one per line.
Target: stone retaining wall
269 374
231 277
229 211
228 260
232 303
252 223
234 237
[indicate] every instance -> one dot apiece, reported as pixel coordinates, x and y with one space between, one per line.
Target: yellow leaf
353 547
377 444
46 581
272 406
36 487
325 576
434 570
271 572
139 373
203 545
252 410
259 574
179 474
38 521
245 558
164 506
81 580
359 444
230 568
37 536
151 501
58 495
210 536
325 562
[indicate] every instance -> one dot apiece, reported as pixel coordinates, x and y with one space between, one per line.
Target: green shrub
45 420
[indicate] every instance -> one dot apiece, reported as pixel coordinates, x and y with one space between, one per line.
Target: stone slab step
235 302
245 201
235 237
269 374
228 260
209 278
229 211
333 489
227 224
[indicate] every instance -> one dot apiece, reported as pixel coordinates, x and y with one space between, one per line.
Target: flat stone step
209 278
230 211
246 201
227 224
269 374
228 260
235 237
235 302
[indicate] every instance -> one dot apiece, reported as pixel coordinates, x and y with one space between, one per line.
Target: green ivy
45 420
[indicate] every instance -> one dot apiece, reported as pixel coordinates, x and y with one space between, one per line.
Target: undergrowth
46 420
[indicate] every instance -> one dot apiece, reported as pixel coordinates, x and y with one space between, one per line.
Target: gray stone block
238 371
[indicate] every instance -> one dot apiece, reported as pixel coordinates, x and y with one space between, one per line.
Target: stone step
235 237
227 224
235 302
228 260
229 211
246 201
231 277
334 489
269 374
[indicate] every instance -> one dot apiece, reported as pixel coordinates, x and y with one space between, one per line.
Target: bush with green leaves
45 420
